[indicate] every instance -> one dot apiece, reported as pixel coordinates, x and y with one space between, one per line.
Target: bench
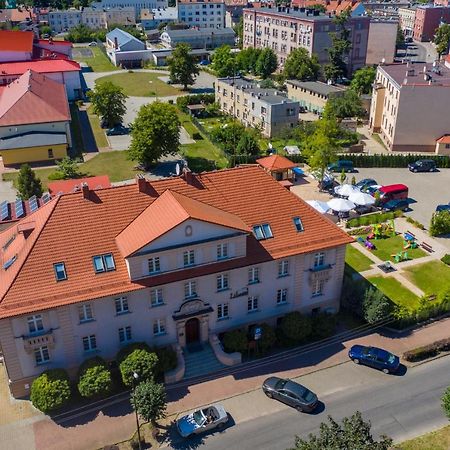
427 247
412 234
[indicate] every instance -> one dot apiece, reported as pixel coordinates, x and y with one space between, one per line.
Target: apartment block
137 5
411 105
381 45
103 17
407 18
202 13
60 21
428 18
285 29
267 109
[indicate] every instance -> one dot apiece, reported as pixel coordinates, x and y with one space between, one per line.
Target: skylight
298 223
10 262
262 231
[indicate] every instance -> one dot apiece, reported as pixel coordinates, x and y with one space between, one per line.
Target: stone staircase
200 360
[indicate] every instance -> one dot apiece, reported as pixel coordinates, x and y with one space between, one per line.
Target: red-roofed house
34 120
278 166
68 186
333 6
16 45
443 145
176 261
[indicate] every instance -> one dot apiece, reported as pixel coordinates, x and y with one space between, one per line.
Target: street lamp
135 378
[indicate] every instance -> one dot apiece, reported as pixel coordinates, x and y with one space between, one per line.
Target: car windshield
391 358
307 395
199 418
280 384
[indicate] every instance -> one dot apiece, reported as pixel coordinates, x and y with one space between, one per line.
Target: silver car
202 420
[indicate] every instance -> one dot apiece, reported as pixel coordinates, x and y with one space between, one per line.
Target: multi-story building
138 5
407 17
267 109
285 29
382 42
333 6
152 19
202 13
103 17
16 45
428 18
86 273
202 38
60 21
411 105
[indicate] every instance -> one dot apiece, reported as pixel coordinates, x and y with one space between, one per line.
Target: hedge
446 259
427 351
235 341
373 218
388 160
195 99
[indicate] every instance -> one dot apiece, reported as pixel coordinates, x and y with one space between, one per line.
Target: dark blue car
374 357
393 205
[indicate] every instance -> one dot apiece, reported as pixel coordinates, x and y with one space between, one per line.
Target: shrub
421 353
353 294
197 136
415 223
94 380
440 223
376 306
149 400
446 259
56 176
195 99
371 219
167 359
125 351
51 390
268 338
446 402
323 325
296 327
235 341
141 361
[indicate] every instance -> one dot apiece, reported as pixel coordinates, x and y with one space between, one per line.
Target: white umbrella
362 199
340 205
322 207
345 189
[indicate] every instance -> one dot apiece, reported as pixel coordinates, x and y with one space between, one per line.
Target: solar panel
19 207
4 211
46 198
33 203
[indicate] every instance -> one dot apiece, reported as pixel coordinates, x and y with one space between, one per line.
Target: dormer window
154 265
262 231
188 258
298 224
222 251
104 263
60 271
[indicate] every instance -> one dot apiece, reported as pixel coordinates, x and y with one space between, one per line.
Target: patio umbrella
340 205
345 190
362 199
322 207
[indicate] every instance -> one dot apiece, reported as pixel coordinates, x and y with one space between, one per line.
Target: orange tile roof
72 229
67 186
276 162
336 6
16 41
33 98
444 139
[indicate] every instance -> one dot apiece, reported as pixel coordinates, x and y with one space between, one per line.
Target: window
319 259
262 232
298 223
159 327
60 271
188 258
222 251
156 297
50 153
281 296
85 313
222 282
89 343
121 305
222 311
190 289
317 288
253 275
154 265
252 304
104 263
35 323
124 334
283 268
41 355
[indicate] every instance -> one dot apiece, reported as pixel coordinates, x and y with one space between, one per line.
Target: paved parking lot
427 189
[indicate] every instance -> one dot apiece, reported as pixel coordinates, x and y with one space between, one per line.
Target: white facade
202 14
60 21
9 56
101 18
138 5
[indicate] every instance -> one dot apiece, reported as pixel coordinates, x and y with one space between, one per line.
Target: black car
118 130
365 183
291 393
440 208
422 165
393 205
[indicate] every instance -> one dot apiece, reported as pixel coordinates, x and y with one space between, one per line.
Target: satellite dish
383 60
177 169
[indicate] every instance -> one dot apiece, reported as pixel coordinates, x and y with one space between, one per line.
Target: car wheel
415 170
356 361
269 394
299 408
220 426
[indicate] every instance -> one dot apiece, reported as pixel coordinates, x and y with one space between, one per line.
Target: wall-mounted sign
239 293
258 333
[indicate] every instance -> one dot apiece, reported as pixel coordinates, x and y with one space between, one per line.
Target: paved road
399 406
418 51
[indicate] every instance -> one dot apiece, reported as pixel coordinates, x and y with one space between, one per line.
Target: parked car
422 165
440 208
393 192
92 44
291 393
365 183
393 205
201 420
118 130
341 165
374 357
204 62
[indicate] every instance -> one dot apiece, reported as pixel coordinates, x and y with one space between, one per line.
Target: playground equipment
409 241
400 256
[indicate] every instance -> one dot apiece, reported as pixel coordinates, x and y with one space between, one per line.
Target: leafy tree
376 306
182 66
69 168
140 361
149 400
352 433
108 101
446 402
27 183
248 145
400 39
167 359
223 62
347 105
239 30
319 7
246 59
300 66
440 223
296 327
155 133
50 390
227 136
442 38
45 29
94 379
363 79
267 63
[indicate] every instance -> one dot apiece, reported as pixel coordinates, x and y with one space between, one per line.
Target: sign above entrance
239 293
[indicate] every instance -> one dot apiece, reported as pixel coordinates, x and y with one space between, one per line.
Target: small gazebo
278 166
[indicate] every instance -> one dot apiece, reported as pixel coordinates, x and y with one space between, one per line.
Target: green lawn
187 124
99 62
355 259
99 133
396 291
75 131
432 277
200 153
141 84
391 246
437 440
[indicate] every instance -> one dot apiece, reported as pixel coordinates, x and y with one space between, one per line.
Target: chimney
85 190
116 43
188 175
141 182
26 228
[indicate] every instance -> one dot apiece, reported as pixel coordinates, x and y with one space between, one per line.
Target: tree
155 133
352 433
182 66
296 327
108 101
267 63
300 66
235 341
50 390
400 39
446 402
69 168
376 306
248 145
223 62
27 183
347 105
45 29
363 79
442 38
440 223
246 59
140 361
239 30
149 401
94 379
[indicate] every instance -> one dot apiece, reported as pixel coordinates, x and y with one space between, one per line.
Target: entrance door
192 331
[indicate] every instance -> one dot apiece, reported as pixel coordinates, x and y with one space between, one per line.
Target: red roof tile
68 186
44 66
276 162
74 229
444 139
16 41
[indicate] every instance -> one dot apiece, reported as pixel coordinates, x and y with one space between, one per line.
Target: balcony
322 273
32 342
